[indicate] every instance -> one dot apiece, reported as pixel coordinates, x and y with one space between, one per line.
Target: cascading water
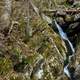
65 38
62 34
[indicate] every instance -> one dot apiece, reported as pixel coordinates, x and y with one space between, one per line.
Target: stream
72 50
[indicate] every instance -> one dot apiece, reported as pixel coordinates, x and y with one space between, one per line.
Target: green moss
59 43
16 78
5 66
22 28
17 51
31 59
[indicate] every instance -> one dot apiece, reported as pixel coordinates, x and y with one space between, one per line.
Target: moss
31 59
17 78
60 44
17 51
22 28
5 66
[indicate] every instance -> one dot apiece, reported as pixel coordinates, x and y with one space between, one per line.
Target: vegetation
30 46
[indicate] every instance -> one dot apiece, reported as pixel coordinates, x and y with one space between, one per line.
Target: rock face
77 73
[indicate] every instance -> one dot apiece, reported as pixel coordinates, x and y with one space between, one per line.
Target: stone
77 73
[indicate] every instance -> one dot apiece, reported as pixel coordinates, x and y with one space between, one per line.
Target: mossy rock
44 41
47 43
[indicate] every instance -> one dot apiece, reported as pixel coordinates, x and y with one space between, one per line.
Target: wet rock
70 1
68 18
73 26
60 20
76 17
60 14
77 73
73 29
76 4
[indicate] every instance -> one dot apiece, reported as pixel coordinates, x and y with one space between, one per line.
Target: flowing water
65 38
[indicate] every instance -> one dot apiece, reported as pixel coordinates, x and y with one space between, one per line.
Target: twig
67 11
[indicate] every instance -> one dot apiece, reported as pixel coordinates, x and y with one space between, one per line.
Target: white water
66 71
39 74
64 37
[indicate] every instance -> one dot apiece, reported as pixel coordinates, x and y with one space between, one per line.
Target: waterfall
65 38
66 71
